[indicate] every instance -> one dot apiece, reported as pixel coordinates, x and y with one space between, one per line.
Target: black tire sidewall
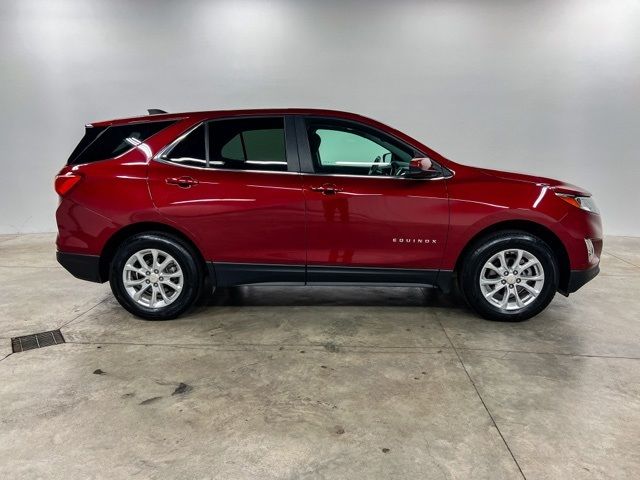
482 251
192 272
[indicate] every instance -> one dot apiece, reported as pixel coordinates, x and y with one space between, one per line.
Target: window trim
308 168
290 145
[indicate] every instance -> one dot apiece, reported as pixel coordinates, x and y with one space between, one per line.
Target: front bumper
84 267
577 278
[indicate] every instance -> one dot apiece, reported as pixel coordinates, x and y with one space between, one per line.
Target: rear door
235 185
366 222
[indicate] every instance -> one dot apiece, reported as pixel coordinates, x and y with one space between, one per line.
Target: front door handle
182 182
326 189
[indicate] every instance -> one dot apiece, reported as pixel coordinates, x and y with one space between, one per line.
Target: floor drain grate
37 340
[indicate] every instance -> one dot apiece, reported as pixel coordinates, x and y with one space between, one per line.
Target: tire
168 291
485 263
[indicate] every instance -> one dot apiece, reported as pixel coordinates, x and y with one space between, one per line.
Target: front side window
342 148
248 144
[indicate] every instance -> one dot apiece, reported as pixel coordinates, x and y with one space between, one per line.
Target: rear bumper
84 267
577 278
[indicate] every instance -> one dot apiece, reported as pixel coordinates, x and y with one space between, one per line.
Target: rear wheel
509 276
156 276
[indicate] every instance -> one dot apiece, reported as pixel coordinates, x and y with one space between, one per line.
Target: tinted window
190 150
347 149
234 149
104 143
250 144
90 134
342 147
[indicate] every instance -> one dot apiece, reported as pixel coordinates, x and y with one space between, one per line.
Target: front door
366 221
235 185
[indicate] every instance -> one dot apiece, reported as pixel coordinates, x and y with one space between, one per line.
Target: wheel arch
111 246
533 228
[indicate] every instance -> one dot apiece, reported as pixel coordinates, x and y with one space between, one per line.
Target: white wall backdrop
546 87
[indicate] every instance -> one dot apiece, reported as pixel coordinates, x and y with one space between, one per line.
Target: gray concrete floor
317 382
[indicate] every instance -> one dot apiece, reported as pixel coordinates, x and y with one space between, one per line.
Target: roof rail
155 111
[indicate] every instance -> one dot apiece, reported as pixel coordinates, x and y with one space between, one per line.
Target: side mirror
421 168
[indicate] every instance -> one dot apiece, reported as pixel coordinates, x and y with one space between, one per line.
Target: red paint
236 216
288 218
358 225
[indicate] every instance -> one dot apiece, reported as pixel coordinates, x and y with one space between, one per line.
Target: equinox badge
413 240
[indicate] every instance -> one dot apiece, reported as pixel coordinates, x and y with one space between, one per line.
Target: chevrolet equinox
167 206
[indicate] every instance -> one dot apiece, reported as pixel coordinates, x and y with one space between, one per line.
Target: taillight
64 183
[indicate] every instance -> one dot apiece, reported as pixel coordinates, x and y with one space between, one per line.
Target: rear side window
108 142
248 144
238 144
190 150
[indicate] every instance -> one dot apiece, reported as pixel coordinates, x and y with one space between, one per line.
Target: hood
557 185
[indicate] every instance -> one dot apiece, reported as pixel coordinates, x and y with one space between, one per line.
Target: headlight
585 203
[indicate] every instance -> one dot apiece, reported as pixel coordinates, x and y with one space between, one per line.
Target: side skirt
234 274
320 275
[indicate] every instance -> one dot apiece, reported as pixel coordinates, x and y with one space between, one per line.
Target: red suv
166 206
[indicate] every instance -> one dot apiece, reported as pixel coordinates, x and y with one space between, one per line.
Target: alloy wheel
511 279
152 278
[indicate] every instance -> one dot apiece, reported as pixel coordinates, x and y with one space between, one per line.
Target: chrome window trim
441 177
159 157
211 169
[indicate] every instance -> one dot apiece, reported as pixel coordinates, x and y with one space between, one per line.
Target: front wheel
509 276
156 276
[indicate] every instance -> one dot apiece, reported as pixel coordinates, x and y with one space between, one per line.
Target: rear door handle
326 189
182 182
